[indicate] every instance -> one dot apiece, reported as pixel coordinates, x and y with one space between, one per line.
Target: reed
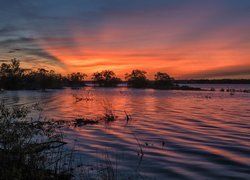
109 115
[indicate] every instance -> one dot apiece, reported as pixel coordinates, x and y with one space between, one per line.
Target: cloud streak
192 38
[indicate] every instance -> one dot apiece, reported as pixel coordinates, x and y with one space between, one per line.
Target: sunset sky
186 38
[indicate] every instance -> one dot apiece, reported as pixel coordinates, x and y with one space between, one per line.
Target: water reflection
183 134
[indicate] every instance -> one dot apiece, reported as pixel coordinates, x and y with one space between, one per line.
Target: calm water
184 134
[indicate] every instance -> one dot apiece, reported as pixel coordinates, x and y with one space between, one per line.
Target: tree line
13 77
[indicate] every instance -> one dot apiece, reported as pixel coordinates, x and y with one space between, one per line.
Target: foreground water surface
183 134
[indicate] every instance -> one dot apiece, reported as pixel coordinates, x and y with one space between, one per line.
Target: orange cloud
185 46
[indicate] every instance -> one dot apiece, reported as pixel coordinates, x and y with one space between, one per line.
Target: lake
183 134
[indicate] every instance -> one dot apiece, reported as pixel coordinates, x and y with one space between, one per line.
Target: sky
188 39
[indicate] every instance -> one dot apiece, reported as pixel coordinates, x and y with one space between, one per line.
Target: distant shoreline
213 81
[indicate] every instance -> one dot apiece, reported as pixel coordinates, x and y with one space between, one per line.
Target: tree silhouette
76 79
11 75
163 81
137 79
106 78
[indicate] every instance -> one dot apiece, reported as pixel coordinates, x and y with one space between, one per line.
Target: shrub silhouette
30 148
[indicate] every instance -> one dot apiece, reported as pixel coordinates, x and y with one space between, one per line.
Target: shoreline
178 88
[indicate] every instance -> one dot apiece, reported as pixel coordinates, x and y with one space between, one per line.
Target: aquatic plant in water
30 148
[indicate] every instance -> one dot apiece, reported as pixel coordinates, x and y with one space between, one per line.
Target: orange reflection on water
183 130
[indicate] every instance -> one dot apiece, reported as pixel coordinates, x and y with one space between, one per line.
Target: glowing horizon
190 39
